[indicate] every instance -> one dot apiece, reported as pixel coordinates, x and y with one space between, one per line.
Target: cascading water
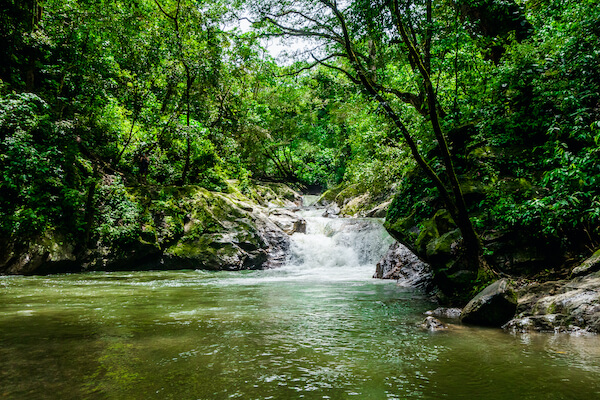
336 249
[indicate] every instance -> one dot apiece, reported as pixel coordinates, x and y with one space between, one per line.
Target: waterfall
336 248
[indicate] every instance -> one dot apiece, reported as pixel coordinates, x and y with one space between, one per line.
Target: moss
149 233
483 152
401 226
330 195
443 244
591 264
348 193
357 204
193 248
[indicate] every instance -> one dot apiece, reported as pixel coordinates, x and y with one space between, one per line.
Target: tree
358 38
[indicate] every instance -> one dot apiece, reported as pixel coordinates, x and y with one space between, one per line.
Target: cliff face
166 228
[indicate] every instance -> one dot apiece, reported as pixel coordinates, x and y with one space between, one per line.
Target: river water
318 328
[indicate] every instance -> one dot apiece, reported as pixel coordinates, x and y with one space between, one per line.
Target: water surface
319 328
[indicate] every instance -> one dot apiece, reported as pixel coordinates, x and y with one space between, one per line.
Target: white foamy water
332 249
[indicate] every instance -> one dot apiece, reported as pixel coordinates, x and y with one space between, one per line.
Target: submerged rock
493 306
443 312
432 324
401 264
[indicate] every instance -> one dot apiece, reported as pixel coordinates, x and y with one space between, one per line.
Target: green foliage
547 92
120 216
89 89
39 176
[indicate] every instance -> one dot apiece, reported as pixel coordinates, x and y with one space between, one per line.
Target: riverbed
318 328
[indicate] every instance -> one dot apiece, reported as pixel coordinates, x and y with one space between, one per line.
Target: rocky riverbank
144 228
569 305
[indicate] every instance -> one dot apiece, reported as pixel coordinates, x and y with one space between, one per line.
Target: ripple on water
311 331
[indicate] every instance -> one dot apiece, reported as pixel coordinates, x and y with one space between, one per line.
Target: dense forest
477 121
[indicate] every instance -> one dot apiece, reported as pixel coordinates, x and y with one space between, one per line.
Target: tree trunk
188 141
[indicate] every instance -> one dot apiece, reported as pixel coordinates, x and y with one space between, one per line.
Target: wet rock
493 306
432 324
353 201
592 264
287 220
224 235
332 211
561 306
378 211
540 323
401 264
443 312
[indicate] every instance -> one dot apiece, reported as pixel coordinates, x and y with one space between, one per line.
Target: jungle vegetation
489 107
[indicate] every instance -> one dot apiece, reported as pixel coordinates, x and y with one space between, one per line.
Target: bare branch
288 31
306 17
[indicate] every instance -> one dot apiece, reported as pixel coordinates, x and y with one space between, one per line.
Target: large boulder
45 254
571 305
493 306
162 228
401 264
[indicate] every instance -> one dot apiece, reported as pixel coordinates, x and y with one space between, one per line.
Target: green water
264 335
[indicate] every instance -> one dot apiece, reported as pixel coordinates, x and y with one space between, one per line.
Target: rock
270 194
378 211
432 324
332 211
592 264
45 254
493 306
355 204
443 312
354 201
287 220
562 306
401 264
163 228
222 234
539 323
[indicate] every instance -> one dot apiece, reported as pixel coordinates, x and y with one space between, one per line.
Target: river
318 328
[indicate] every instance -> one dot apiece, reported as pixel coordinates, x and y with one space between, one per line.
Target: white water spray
336 249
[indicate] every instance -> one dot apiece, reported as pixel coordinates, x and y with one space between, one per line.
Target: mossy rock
347 194
592 264
272 194
493 306
432 230
442 246
356 205
172 227
329 196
